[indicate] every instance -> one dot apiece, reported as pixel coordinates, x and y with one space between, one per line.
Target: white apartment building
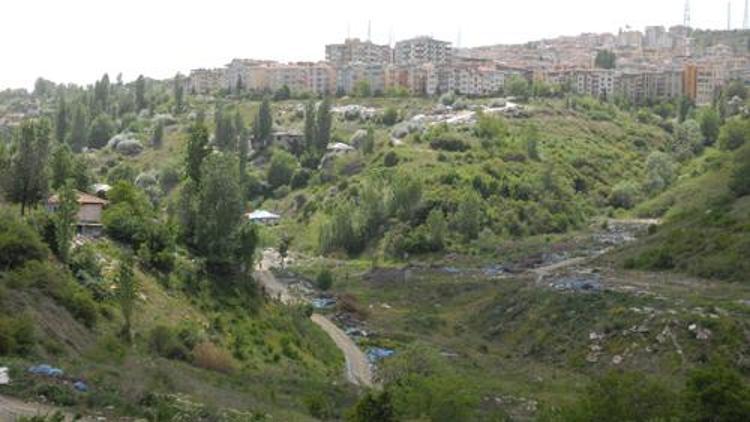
205 81
596 83
422 50
355 51
348 76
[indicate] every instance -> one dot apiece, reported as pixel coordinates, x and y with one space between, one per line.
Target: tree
101 95
62 166
710 124
197 151
734 134
61 120
79 130
242 149
687 140
716 393
684 107
157 138
284 248
65 220
660 170
246 239
624 195
407 196
323 123
126 293
605 59
28 176
736 88
390 116
263 126
101 130
310 127
324 279
374 407
467 219
179 94
219 210
283 93
368 144
437 228
282 169
225 136
362 89
740 179
518 86
140 93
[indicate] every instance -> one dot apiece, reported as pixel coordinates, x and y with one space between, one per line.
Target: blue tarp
375 354
46 370
81 386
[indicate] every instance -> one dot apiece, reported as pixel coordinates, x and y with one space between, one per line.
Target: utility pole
686 17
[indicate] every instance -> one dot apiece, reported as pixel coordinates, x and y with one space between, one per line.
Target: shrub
390 116
282 168
716 394
319 406
300 179
209 356
624 195
734 134
740 179
390 159
449 142
165 342
18 242
16 335
324 279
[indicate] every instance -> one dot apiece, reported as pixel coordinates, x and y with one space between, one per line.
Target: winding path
358 371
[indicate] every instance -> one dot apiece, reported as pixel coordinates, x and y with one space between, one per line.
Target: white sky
79 40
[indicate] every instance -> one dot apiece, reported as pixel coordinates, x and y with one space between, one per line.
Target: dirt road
358 369
12 409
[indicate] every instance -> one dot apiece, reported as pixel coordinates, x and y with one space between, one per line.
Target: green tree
684 107
716 393
605 59
126 293
323 124
660 171
710 124
734 134
310 127
219 210
324 279
518 86
179 94
242 145
373 407
78 137
284 248
101 130
62 166
368 144
246 240
263 125
140 93
28 175
157 137
740 180
225 136
468 217
437 228
407 196
362 89
65 220
197 151
624 195
281 169
390 116
687 140
61 119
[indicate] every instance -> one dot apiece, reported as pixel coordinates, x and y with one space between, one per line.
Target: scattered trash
385 306
355 332
4 377
46 370
617 359
700 333
375 354
323 303
81 386
578 283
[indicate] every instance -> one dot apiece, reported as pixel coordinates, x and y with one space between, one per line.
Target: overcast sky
79 40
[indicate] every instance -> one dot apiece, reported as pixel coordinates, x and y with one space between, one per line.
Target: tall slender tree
197 151
310 128
242 146
79 131
323 125
28 177
61 119
126 293
179 94
140 93
65 219
263 125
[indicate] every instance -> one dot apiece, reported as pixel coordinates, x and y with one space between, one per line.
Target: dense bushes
209 356
18 242
450 143
740 179
16 335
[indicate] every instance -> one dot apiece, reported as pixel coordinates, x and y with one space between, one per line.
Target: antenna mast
746 21
686 19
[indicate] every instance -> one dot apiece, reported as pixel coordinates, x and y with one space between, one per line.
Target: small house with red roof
90 210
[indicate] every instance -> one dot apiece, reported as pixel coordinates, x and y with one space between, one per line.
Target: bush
16 335
324 280
390 159
300 179
449 142
740 179
165 342
716 393
282 168
624 195
390 116
734 134
319 406
209 356
18 242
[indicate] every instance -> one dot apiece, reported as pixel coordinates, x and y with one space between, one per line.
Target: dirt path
358 370
12 409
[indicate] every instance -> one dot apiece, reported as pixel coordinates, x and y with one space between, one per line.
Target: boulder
402 130
358 138
166 119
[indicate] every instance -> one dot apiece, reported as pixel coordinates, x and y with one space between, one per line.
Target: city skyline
109 48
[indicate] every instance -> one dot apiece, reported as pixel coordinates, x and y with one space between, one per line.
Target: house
263 217
89 213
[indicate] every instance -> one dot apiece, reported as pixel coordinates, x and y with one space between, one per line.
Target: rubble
578 283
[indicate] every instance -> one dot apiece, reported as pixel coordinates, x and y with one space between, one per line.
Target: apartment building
657 37
206 81
421 50
349 76
598 83
642 86
353 50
